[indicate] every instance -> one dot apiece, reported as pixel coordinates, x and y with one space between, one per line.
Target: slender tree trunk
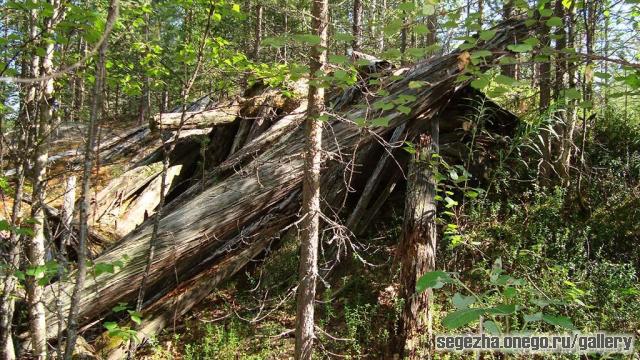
145 99
432 36
258 30
404 34
417 249
79 82
590 18
26 117
37 243
96 108
357 25
308 273
545 66
381 15
507 14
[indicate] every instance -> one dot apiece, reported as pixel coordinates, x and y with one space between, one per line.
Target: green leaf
502 309
25 231
110 325
532 317
480 83
120 307
343 37
561 321
417 84
554 21
520 48
338 59
4 225
471 194
382 105
572 94
404 109
136 317
546 12
487 34
381 121
461 318
481 54
508 60
491 327
101 268
461 301
432 280
235 8
450 202
309 39
393 27
407 6
421 29
509 292
428 9
505 80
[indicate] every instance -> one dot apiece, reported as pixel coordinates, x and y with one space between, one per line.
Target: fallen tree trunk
265 174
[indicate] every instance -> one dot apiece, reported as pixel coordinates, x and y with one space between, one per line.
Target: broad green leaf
502 309
101 268
310 39
338 59
110 325
572 94
461 301
505 80
546 12
487 34
491 327
421 29
554 21
343 37
561 321
407 6
404 109
417 84
4 225
532 317
480 83
481 54
381 121
461 318
432 280
428 9
520 48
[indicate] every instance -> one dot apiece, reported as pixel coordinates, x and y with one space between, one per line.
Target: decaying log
263 175
200 119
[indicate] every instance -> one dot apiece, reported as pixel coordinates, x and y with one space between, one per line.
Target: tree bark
545 65
258 30
357 25
308 273
417 248
507 14
37 243
96 108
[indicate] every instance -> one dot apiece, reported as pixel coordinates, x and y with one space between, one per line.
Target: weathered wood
222 114
244 188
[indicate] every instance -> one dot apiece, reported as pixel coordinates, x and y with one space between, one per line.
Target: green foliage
505 300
